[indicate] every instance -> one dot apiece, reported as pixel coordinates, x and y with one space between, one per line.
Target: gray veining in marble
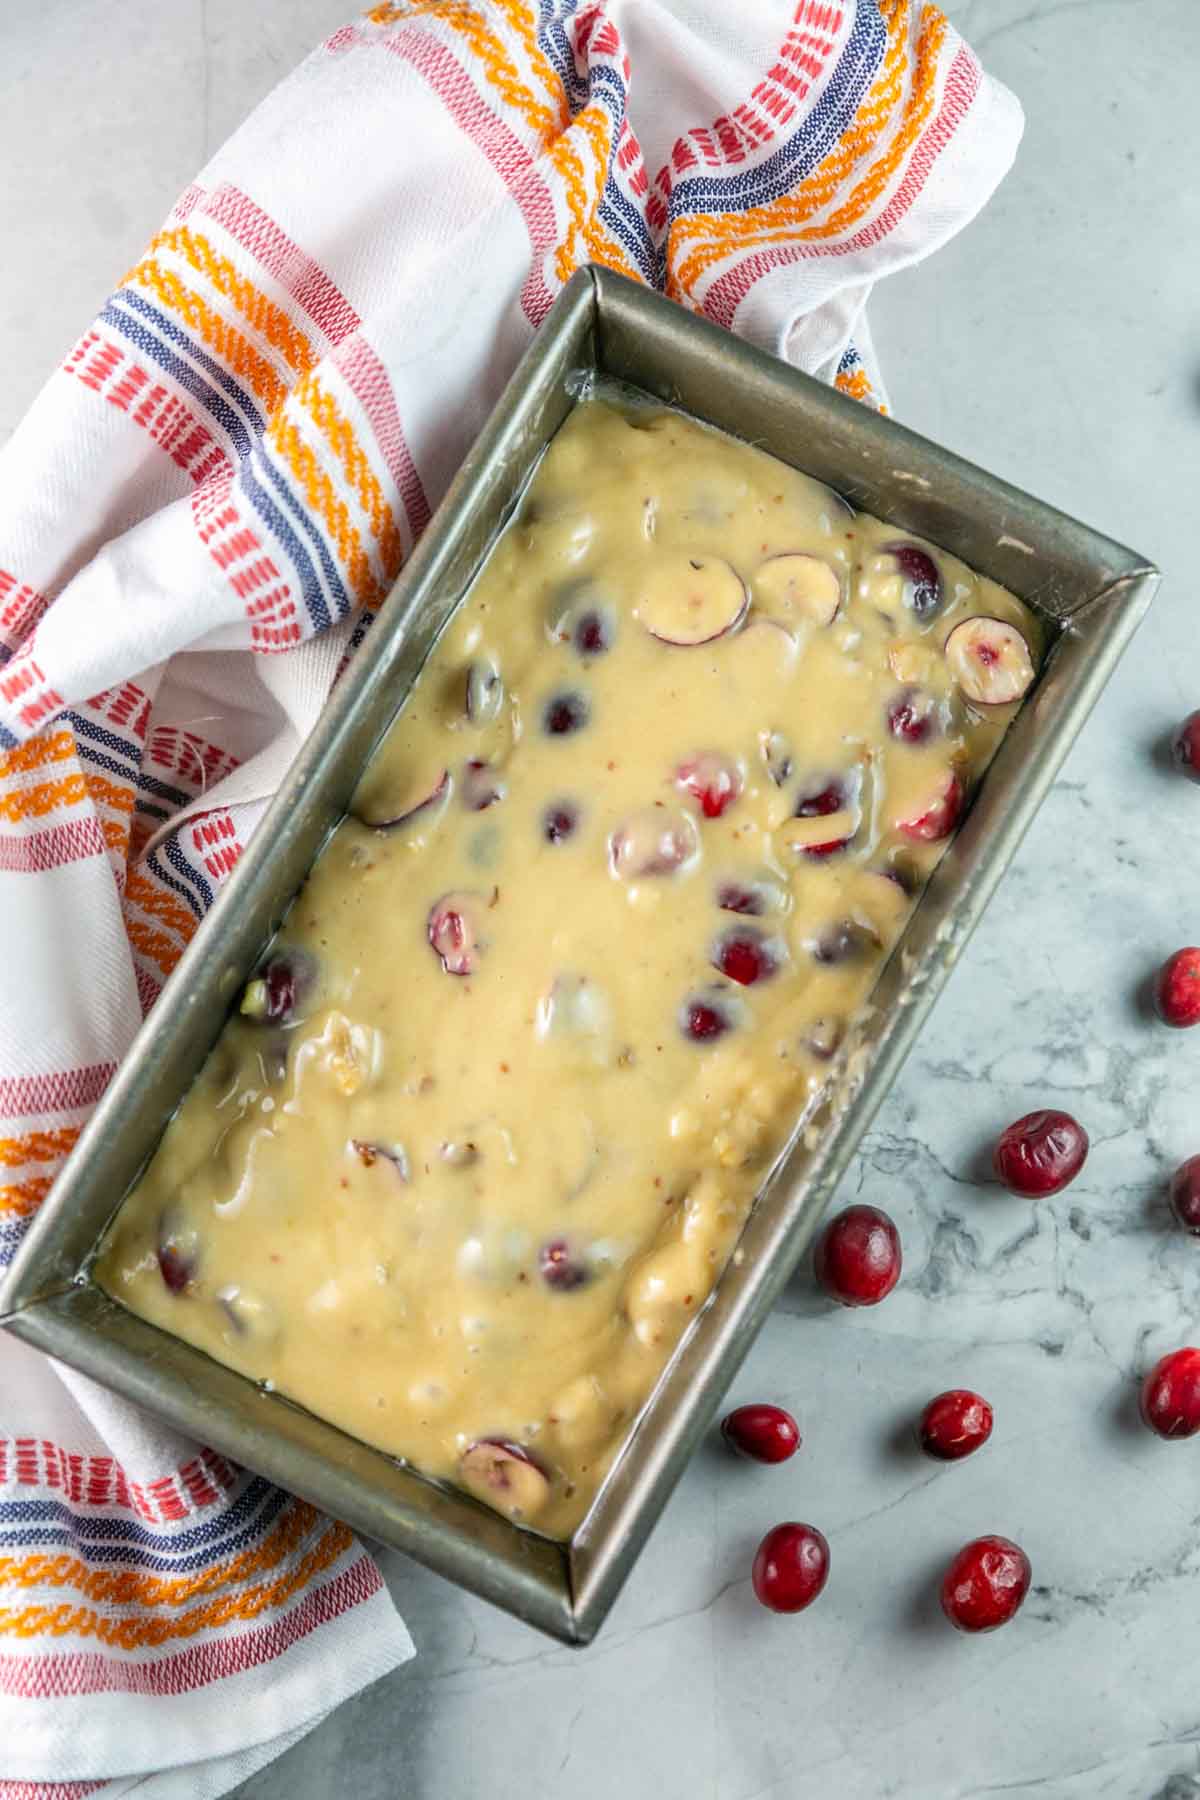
1058 342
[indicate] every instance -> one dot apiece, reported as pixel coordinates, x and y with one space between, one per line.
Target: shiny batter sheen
476 1183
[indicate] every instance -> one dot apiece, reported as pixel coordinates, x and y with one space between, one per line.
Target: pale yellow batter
484 1132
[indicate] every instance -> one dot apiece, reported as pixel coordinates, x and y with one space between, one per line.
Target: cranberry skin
733 898
1185 1195
712 779
592 634
559 822
858 1259
939 819
1171 1395
985 1584
910 716
791 1566
922 583
1040 1154
176 1268
565 713
746 956
818 805
559 1269
954 1424
764 1434
1177 989
704 1020
1185 747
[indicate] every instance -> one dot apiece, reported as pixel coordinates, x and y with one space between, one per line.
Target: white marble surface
1058 342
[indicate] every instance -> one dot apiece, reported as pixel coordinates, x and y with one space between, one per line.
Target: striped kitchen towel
198 520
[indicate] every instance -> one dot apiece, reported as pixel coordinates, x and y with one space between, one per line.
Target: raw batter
485 1129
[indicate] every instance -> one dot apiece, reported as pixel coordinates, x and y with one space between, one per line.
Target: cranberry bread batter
483 1133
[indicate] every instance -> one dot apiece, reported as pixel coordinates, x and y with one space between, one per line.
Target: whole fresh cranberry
1177 989
791 1566
1185 1194
985 1584
954 1424
1040 1154
765 1434
857 1259
1185 746
1171 1394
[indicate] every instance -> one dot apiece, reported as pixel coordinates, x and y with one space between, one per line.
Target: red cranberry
954 1424
559 1269
703 1019
940 816
564 713
279 989
847 941
559 821
857 1259
1185 1194
746 956
712 779
178 1253
818 805
765 1434
922 583
1040 1154
985 1584
910 716
1177 989
1171 1395
592 634
732 897
791 1566
177 1270
1185 746
453 930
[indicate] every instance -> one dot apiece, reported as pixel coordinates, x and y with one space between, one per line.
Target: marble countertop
1058 342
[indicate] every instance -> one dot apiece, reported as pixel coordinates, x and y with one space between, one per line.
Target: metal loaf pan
1091 593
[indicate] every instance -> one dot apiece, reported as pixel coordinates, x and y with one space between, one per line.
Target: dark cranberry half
559 1269
1185 1195
954 1424
1170 1397
820 802
764 1434
178 1254
791 1566
922 583
911 716
857 1259
279 989
846 941
985 1584
731 897
1185 746
746 955
565 713
704 1018
593 634
559 821
1040 1154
